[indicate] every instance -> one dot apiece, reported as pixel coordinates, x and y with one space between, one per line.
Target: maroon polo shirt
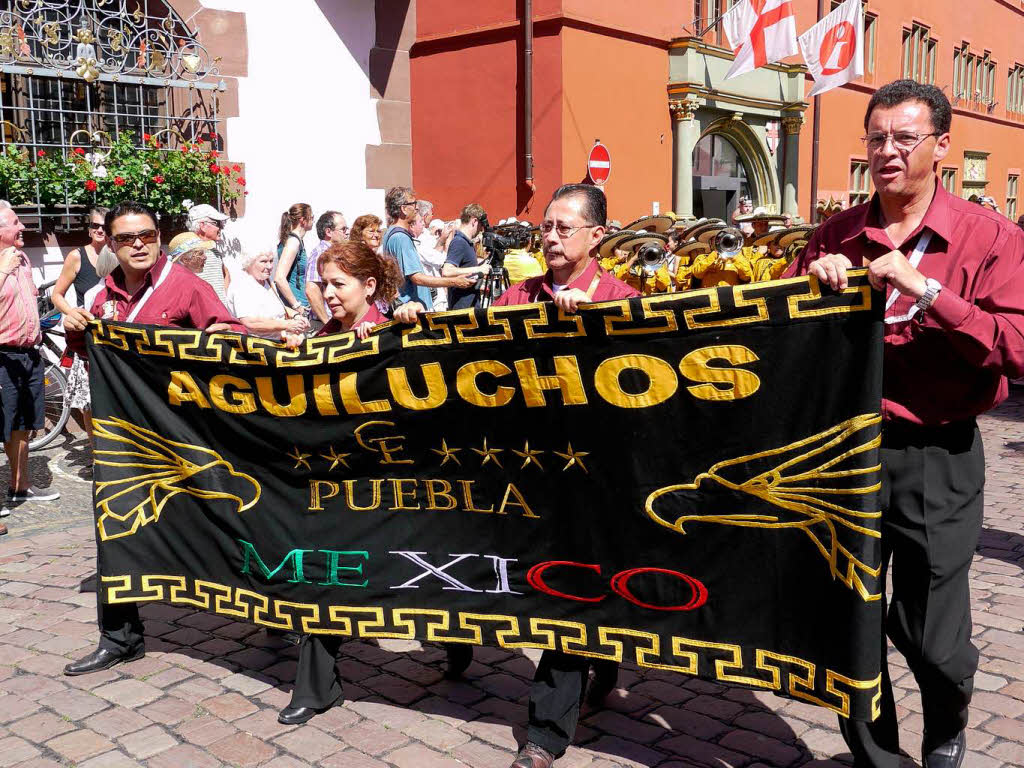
182 300
950 363
373 315
535 289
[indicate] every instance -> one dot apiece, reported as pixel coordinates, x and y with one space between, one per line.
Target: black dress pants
317 684
932 503
555 698
121 629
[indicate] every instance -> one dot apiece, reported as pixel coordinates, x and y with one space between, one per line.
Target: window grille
77 74
919 54
1012 182
1015 91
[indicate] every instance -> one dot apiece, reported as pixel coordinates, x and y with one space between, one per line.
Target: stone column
791 172
684 137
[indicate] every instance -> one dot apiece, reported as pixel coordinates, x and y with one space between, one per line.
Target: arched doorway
720 177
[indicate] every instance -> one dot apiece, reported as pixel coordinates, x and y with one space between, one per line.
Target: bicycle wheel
55 407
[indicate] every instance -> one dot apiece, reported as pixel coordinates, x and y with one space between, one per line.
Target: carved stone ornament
792 124
683 109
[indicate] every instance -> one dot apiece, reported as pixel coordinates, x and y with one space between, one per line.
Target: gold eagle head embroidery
147 471
806 485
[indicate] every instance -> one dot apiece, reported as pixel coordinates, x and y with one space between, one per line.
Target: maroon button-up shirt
539 288
951 362
183 300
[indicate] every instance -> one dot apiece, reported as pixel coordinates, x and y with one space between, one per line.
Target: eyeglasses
147 236
409 202
214 222
563 231
904 141
94 225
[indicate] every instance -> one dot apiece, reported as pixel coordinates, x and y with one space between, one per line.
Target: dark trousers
932 503
121 628
317 684
555 698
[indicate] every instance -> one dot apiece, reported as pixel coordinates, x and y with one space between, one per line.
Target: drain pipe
528 92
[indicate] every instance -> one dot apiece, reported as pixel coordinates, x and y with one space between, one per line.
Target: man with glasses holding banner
574 223
953 274
144 288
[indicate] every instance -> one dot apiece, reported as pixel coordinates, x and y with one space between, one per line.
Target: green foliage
161 178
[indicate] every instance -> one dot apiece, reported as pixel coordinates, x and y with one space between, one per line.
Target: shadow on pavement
1001 545
651 719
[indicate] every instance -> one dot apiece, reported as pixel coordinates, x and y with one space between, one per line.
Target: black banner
686 481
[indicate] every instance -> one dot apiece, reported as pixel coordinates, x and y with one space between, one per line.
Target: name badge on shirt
109 310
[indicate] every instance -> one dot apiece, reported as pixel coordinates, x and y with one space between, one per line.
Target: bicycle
56 402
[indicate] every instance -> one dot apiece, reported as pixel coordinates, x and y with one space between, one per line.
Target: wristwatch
931 290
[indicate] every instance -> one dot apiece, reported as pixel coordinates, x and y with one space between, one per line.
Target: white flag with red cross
834 47
760 32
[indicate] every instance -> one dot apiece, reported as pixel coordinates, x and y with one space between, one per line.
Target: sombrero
639 239
760 214
692 248
769 239
795 235
659 224
696 226
609 243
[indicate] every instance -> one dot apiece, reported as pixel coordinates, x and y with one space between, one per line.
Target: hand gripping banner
686 482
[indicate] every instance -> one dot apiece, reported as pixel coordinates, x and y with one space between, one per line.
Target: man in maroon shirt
954 277
572 229
144 288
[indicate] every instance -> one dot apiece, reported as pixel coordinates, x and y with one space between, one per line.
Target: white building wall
305 113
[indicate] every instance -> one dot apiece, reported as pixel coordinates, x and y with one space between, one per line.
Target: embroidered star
529 456
300 458
447 454
573 458
335 458
488 454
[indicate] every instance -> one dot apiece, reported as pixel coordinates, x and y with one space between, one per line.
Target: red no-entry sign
599 164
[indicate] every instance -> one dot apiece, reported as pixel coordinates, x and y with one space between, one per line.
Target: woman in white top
254 301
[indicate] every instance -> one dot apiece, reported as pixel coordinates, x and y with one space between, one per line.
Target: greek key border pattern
721 662
743 305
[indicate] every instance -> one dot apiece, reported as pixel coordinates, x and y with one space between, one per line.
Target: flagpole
814 146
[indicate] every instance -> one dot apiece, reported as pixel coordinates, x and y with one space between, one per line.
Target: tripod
492 284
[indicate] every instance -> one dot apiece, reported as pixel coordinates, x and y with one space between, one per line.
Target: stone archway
762 176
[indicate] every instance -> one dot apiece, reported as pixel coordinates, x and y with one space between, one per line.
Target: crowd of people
954 334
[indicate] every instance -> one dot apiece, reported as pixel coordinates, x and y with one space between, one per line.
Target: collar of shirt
582 282
937 218
460 233
115 280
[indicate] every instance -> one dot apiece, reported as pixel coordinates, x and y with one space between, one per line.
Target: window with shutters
860 182
919 54
949 180
1012 182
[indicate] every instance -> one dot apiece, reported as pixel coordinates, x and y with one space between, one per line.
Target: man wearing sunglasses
144 288
953 274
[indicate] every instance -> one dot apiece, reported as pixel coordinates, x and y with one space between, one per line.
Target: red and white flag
760 32
834 47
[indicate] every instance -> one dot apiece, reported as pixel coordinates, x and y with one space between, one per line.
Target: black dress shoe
606 677
99 659
947 755
459 658
297 715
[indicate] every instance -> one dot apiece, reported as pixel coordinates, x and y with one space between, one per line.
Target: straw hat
795 235
185 242
760 214
659 224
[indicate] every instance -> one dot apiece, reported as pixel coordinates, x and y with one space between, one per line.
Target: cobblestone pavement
208 691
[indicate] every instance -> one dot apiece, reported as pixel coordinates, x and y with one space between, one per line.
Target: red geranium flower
214 168
79 151
184 147
247 192
158 179
118 181
236 168
241 180
146 137
41 153
90 185
214 153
